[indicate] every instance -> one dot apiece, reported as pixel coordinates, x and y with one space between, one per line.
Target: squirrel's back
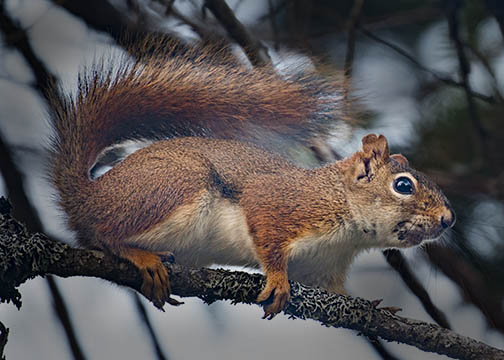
160 94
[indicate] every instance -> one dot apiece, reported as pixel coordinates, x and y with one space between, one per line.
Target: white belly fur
214 231
322 259
209 231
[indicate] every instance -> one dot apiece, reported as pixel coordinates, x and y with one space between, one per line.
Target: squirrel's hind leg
156 281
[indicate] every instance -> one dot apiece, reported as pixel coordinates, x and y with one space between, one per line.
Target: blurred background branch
142 312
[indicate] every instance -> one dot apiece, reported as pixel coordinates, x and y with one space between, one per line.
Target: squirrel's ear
374 153
375 146
401 159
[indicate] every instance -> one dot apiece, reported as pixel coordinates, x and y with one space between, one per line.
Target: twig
273 23
425 13
440 77
14 182
101 16
464 70
104 17
15 36
202 33
145 318
355 16
275 11
381 350
486 64
398 262
169 6
255 52
299 15
61 310
24 256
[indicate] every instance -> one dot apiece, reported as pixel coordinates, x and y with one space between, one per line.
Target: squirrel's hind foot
277 287
156 282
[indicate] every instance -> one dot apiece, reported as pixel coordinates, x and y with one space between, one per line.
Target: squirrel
206 189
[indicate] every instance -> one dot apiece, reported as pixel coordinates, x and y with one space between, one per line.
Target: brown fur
165 96
195 185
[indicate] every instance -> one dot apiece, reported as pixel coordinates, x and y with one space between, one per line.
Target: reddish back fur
199 92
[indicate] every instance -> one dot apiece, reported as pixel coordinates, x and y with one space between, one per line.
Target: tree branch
24 256
399 264
255 52
15 36
142 312
381 350
355 16
486 64
63 315
101 16
452 9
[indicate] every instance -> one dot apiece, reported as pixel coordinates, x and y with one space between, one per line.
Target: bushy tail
195 93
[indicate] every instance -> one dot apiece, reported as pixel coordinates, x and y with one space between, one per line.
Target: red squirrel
208 192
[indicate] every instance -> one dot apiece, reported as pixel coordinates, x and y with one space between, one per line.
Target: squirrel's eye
403 185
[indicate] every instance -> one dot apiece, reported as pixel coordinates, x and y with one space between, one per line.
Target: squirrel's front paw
156 282
277 286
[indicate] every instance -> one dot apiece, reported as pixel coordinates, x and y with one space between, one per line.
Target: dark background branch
452 13
101 16
255 51
399 263
63 315
355 16
16 37
142 312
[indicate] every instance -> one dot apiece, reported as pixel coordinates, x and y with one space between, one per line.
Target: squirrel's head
390 202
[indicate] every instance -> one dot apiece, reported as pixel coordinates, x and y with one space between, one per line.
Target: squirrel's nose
447 218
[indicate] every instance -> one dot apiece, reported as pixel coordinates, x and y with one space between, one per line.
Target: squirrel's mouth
412 238
411 234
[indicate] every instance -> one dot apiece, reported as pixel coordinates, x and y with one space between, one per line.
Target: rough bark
24 256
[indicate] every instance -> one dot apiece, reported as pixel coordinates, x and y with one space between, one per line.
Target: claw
393 309
277 286
166 256
156 282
